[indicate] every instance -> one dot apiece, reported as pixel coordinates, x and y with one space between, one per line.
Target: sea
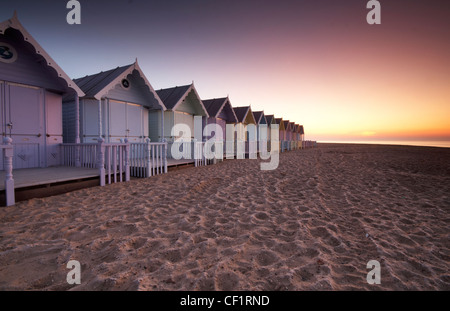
443 144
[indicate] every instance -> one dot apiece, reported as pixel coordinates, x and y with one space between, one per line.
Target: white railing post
101 160
165 154
8 154
127 160
77 156
196 161
148 157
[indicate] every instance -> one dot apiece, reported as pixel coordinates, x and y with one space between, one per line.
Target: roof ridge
93 76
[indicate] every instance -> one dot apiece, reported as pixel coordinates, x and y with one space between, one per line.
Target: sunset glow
317 63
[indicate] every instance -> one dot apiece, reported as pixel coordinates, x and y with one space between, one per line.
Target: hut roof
174 96
95 83
14 23
171 96
270 119
292 126
99 84
216 105
243 112
280 122
259 117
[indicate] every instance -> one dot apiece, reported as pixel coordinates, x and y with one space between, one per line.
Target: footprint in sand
227 281
266 258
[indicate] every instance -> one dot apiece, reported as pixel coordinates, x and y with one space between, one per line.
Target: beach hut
183 104
260 119
32 86
287 134
270 119
116 107
292 136
282 133
296 136
221 113
245 118
302 136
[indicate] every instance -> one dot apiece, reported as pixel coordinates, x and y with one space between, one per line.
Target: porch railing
111 159
309 143
148 159
79 155
8 153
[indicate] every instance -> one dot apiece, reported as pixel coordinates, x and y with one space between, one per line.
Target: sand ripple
312 224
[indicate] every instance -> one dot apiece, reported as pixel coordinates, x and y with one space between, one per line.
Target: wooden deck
24 178
175 163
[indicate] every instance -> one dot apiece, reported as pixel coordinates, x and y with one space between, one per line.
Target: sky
314 62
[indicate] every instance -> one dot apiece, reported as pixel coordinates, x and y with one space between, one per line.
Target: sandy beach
312 224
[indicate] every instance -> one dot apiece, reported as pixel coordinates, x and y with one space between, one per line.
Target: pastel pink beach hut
282 133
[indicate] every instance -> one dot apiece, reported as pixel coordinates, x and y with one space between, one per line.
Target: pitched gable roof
98 85
292 126
216 105
95 83
241 113
280 122
270 119
14 23
174 96
259 115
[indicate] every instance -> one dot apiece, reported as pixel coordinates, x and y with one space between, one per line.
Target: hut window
125 84
7 53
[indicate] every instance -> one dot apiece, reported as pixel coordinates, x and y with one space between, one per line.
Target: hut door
127 121
54 137
24 123
117 123
134 123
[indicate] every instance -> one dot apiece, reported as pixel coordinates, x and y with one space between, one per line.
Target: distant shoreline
427 144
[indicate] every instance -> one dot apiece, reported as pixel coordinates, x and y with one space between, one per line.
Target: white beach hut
32 86
116 107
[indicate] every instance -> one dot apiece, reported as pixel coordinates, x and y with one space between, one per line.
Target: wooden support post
77 131
8 154
196 161
148 157
101 160
165 155
100 125
127 160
